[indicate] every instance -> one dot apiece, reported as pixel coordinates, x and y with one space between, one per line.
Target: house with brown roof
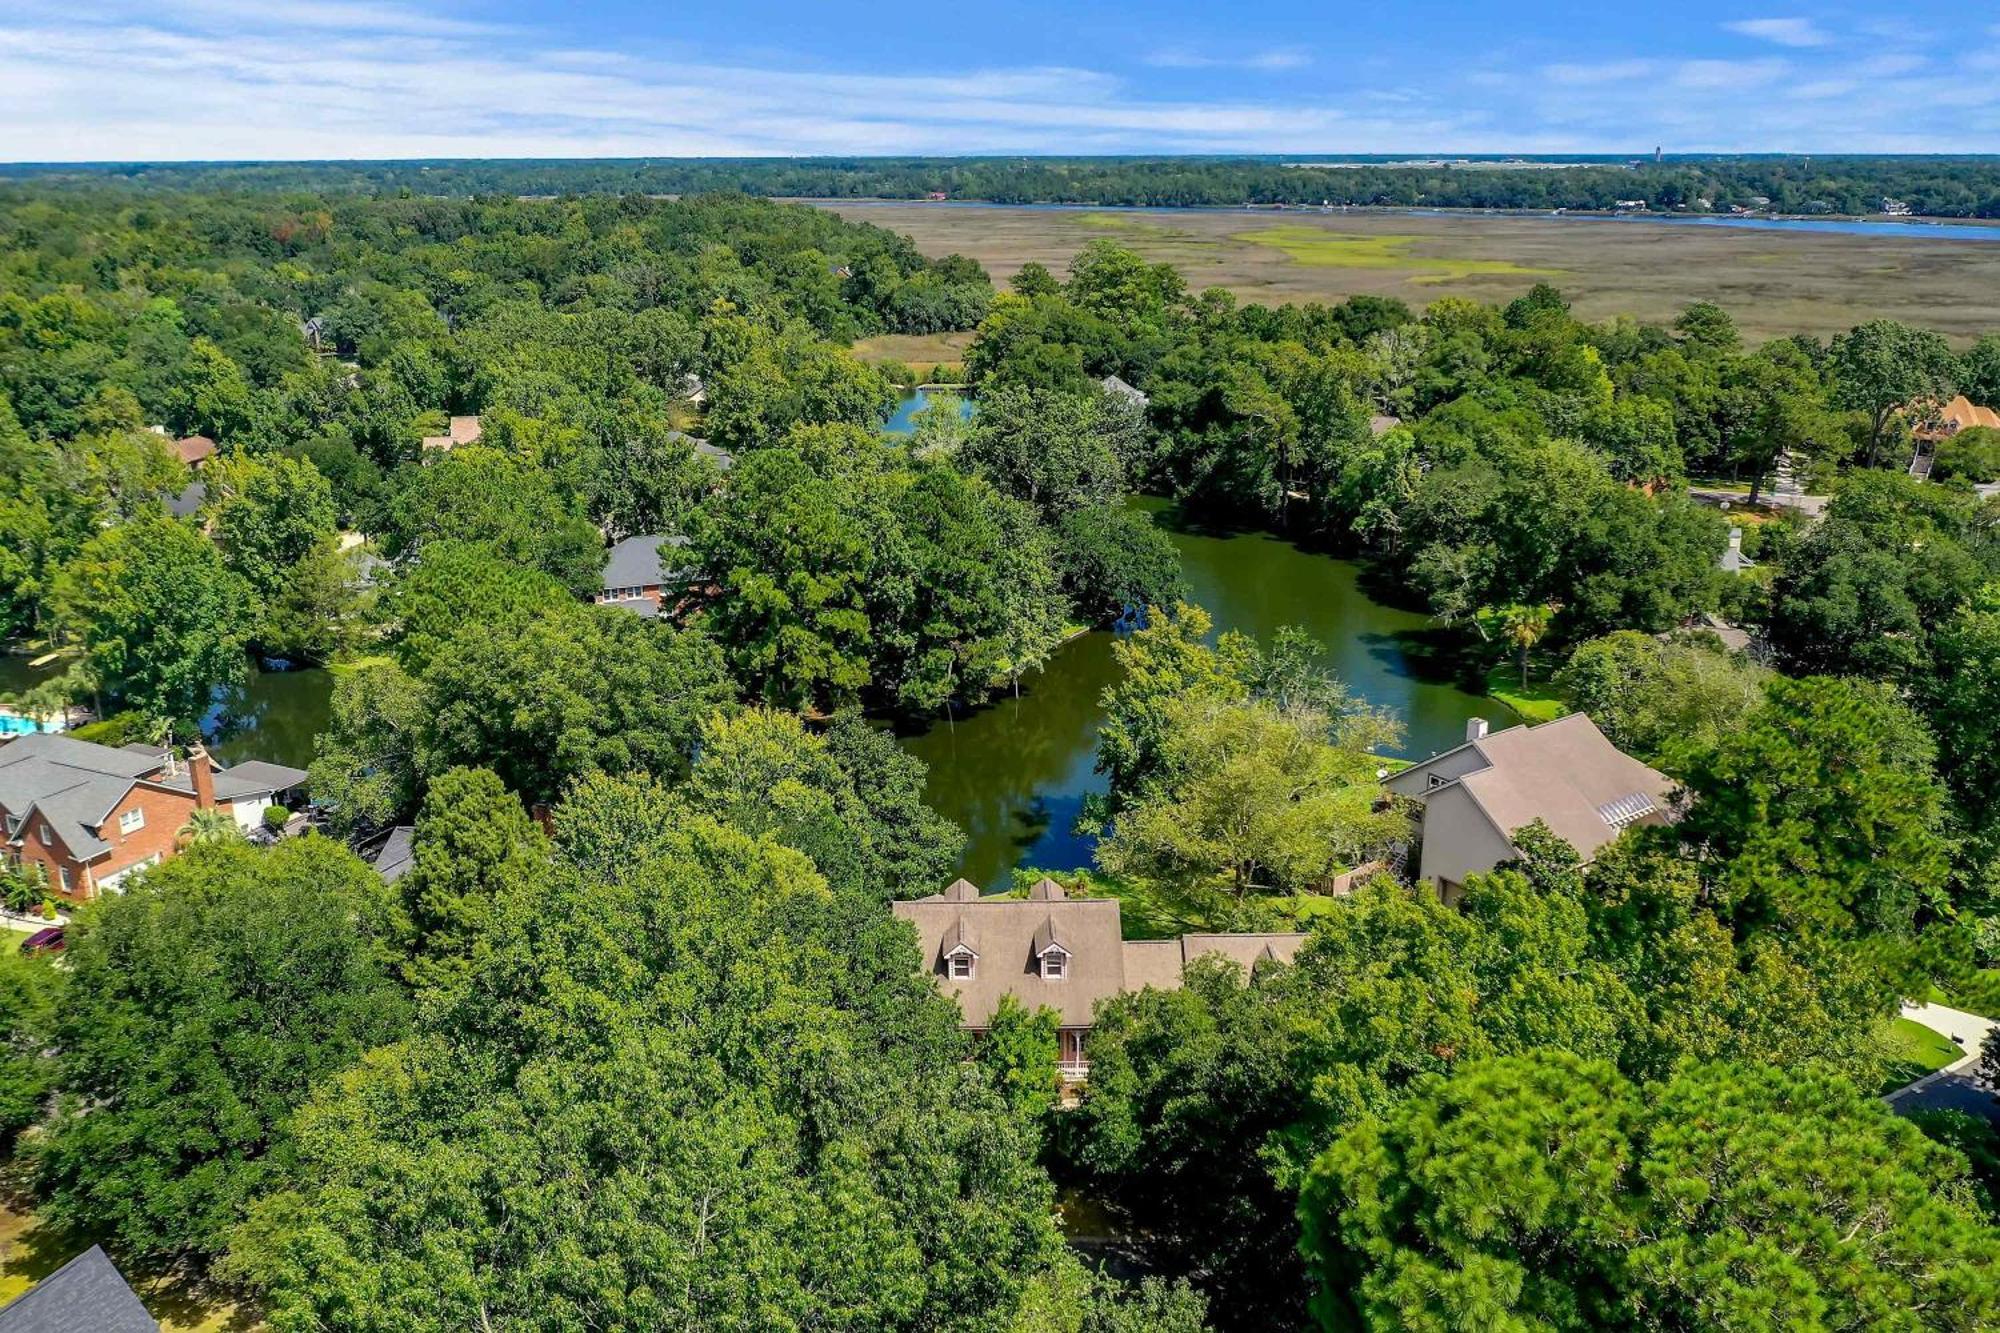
194 450
1050 950
90 815
1934 423
1478 795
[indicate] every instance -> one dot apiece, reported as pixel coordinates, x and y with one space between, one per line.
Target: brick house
1049 950
90 815
639 579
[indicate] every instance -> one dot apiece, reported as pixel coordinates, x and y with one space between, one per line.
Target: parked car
49 939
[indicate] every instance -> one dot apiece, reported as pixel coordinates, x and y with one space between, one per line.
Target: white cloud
1181 58
1785 32
182 79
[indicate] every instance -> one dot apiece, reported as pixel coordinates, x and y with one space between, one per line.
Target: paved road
1812 506
1952 1088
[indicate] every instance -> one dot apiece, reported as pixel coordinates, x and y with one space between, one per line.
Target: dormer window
1055 965
959 963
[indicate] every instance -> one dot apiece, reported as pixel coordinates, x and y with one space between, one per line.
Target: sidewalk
1952 1088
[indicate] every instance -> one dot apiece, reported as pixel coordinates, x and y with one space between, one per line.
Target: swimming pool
13 725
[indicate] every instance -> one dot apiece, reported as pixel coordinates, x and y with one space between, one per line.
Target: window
1434 781
66 879
132 821
959 965
43 829
1055 965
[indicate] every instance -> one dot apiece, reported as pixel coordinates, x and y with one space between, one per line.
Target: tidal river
1014 774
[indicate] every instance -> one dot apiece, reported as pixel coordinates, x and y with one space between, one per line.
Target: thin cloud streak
106 79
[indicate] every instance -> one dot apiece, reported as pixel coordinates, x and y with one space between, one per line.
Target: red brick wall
166 812
52 858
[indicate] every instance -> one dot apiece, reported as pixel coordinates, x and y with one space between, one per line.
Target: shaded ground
30 1251
1774 283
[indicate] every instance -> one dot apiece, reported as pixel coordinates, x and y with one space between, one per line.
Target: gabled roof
85 1295
714 453
394 856
1049 937
252 777
76 784
1112 384
958 938
1009 935
194 449
1564 773
635 562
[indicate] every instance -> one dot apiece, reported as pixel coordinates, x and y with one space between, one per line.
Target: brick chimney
202 772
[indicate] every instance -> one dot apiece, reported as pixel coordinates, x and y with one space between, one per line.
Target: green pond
1014 774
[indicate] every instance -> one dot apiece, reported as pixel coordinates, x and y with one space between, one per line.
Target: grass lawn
1914 1051
914 349
1320 248
30 1252
1538 701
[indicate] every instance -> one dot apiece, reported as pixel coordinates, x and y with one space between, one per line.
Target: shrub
276 817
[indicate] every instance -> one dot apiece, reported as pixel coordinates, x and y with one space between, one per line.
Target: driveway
1952 1088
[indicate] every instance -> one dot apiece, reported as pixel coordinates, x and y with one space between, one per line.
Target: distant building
90 815
459 431
1382 423
1111 384
1051 950
194 450
693 390
714 453
86 1295
1477 796
1934 422
636 577
1895 208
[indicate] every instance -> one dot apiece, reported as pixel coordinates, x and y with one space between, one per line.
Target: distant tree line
1956 187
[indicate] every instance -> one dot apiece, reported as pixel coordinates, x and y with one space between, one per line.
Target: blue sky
181 79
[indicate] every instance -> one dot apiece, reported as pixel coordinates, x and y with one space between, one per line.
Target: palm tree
210 826
1524 627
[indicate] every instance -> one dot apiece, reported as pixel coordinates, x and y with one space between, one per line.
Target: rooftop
76 784
1564 773
635 562
1008 936
85 1295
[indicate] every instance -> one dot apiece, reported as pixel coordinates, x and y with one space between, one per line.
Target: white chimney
1736 541
1475 729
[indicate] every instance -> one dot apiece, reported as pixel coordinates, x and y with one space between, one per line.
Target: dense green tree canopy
161 618
1545 1191
203 1005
